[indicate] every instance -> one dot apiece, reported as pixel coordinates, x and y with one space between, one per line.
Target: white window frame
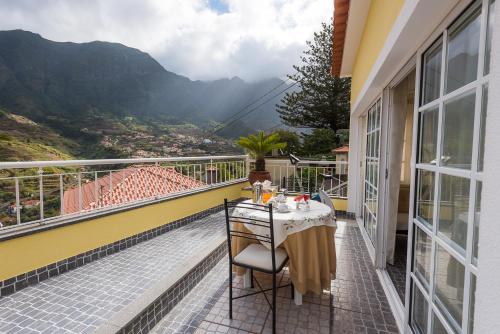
378 103
473 175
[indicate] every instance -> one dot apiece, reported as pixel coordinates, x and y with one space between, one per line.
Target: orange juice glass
266 196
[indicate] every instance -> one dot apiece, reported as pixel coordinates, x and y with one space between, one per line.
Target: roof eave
340 15
356 19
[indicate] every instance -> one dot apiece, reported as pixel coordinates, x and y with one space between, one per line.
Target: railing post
18 204
247 165
156 182
206 173
146 187
110 188
96 191
61 193
308 179
136 197
213 173
40 173
80 191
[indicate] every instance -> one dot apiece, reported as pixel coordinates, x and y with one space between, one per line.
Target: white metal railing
310 174
48 191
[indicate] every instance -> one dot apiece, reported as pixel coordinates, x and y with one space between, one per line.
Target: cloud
202 39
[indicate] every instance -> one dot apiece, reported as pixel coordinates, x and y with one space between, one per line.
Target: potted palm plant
258 146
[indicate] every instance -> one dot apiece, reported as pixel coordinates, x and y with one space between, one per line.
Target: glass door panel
371 170
448 174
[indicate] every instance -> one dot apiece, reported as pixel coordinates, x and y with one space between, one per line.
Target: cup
266 196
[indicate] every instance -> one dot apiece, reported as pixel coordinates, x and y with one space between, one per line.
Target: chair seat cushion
258 256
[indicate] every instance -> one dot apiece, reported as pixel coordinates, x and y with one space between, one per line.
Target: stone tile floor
81 300
355 304
397 271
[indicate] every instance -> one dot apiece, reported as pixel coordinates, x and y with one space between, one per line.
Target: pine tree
322 100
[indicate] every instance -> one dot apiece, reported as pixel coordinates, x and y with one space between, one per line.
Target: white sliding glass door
371 181
448 174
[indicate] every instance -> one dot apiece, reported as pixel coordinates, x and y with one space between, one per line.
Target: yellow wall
21 255
340 204
24 254
379 21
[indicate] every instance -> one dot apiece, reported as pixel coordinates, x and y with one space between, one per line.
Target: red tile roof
340 14
128 185
342 149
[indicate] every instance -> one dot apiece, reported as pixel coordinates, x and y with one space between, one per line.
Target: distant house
342 155
11 209
128 185
31 203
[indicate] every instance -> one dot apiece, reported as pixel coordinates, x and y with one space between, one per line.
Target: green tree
320 141
322 100
291 139
259 145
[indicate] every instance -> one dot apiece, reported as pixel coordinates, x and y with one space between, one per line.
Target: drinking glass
266 196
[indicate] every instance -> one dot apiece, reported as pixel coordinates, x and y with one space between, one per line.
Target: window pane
425 196
477 216
423 250
454 208
428 134
432 72
472 302
458 127
484 106
491 21
419 311
449 281
437 326
463 49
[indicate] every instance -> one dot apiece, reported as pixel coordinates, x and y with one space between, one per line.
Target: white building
424 154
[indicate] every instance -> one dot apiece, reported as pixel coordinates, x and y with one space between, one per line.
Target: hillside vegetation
103 99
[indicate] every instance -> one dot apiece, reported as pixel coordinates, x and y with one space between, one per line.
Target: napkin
266 185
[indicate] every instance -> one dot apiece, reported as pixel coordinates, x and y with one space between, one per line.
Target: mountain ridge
69 86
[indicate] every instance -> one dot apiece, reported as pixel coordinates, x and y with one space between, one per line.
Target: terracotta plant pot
256 175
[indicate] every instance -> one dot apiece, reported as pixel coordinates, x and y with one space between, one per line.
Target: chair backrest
234 224
325 199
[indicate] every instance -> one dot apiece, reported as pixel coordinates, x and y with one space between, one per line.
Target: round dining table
307 235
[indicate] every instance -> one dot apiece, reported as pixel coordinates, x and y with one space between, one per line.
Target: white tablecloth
289 222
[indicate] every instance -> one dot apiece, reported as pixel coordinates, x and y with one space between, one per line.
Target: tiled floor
81 300
397 271
355 304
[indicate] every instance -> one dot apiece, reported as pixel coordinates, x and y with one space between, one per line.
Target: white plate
284 211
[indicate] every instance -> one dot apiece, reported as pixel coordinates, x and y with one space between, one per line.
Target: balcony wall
22 254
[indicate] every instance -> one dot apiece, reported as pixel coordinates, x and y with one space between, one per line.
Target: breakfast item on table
266 196
304 197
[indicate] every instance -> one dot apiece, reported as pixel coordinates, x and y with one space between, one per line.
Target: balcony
136 246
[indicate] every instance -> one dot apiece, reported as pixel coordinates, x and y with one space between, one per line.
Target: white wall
487 312
354 172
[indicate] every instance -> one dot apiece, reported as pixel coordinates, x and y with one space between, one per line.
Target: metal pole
110 188
18 204
61 193
40 173
96 191
79 191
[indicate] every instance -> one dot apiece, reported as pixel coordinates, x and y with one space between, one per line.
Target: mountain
85 92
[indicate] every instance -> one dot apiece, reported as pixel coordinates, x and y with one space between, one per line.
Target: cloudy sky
202 39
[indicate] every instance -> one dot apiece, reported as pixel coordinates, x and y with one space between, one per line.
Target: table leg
297 297
247 279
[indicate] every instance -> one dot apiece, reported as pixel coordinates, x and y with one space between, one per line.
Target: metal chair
255 256
323 195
